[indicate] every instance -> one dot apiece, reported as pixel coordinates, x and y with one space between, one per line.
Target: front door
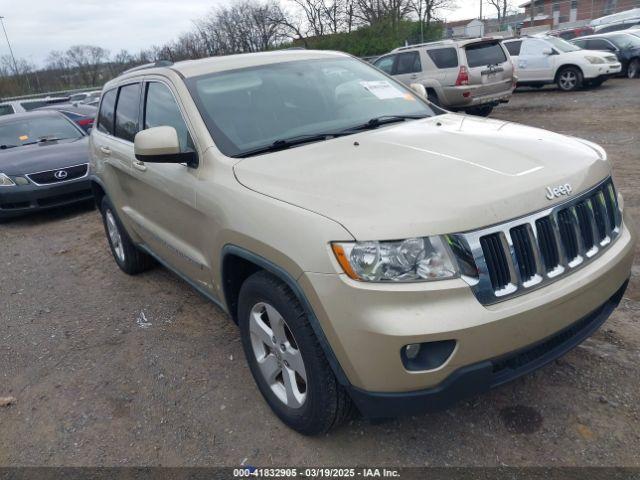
163 199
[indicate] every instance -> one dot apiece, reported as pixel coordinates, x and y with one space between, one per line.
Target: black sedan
83 115
43 163
625 45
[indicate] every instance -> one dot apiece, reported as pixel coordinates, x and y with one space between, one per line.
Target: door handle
105 150
414 76
138 165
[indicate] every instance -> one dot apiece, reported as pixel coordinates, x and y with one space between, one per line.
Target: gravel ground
108 369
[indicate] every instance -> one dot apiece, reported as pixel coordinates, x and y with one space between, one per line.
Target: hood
445 174
581 54
44 156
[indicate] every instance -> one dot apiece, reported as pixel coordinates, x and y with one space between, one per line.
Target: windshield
562 45
624 41
36 129
251 108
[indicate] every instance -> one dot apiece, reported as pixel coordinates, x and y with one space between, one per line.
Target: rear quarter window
514 48
481 54
444 57
6 109
106 114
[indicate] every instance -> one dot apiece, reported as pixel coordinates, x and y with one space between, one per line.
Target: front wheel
633 70
286 359
569 79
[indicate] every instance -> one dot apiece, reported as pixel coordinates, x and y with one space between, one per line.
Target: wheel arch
238 263
98 190
564 67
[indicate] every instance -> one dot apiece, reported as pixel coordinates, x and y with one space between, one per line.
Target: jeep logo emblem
559 191
61 174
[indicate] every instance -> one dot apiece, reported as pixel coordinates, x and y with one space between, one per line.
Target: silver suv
472 75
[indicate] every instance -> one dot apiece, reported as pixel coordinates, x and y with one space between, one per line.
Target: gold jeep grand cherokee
375 250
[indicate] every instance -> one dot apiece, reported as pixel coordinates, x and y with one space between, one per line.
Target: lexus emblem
61 174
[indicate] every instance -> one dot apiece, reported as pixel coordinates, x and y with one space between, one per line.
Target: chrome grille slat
518 256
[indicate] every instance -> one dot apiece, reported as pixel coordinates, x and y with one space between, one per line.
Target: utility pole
480 9
532 6
15 65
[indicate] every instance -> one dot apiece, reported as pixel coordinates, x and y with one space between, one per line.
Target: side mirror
419 89
161 145
547 51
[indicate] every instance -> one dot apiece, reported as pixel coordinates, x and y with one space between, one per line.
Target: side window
580 43
127 112
6 109
533 47
599 44
107 108
444 57
385 64
514 47
161 109
408 62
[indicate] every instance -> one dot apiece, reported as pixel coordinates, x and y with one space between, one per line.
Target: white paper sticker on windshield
382 89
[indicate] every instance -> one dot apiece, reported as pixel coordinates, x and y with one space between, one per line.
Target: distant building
572 11
463 28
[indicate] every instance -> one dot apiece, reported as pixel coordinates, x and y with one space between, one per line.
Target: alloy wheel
634 69
277 355
114 236
568 80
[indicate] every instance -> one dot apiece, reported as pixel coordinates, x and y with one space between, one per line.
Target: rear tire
433 98
286 359
633 69
569 79
129 258
481 111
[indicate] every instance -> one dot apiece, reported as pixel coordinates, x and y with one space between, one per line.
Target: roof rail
426 44
159 63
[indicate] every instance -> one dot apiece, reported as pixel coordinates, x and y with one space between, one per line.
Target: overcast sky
39 26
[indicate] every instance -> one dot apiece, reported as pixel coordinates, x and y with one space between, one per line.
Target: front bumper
368 324
23 199
482 376
598 71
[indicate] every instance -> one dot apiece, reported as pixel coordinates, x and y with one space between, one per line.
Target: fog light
21 181
426 356
412 350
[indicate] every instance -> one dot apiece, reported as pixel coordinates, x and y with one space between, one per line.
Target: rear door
408 67
113 166
489 67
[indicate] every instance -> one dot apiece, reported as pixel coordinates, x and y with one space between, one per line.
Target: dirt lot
113 370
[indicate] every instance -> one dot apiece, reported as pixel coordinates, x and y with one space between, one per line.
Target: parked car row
476 75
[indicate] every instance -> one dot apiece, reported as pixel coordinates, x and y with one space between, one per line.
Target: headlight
595 60
411 260
5 181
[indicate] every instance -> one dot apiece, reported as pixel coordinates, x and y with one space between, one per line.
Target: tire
129 258
633 69
569 79
433 98
481 111
283 357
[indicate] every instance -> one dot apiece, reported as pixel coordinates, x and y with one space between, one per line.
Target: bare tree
503 7
428 10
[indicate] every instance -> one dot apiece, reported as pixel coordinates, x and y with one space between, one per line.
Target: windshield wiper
285 143
383 120
44 140
4 147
